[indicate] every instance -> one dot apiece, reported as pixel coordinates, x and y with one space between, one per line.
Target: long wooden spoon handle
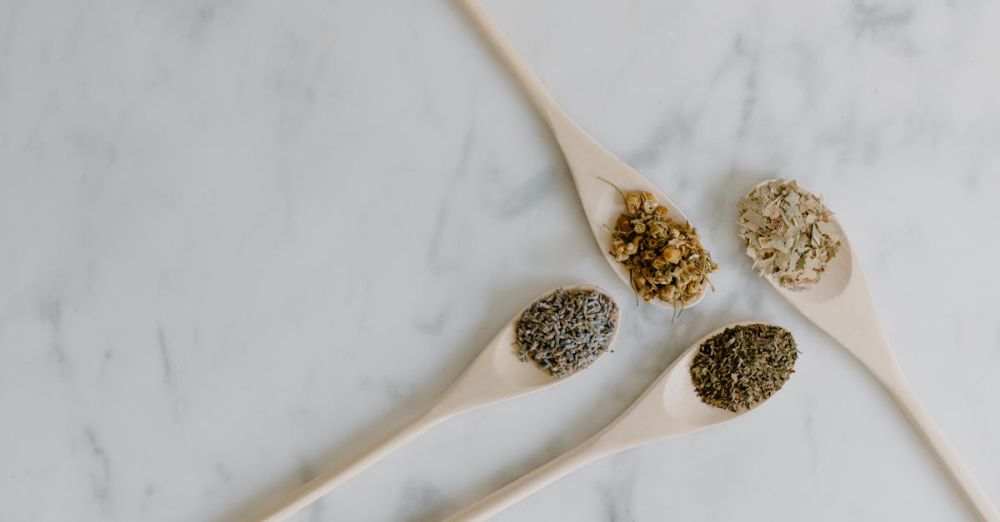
323 484
539 95
542 476
901 391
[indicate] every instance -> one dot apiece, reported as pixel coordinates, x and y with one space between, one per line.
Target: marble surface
244 240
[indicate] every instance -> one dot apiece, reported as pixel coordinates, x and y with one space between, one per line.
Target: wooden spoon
841 305
668 408
497 374
590 164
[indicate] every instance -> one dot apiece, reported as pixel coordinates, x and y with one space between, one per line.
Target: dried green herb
788 233
567 330
743 365
665 259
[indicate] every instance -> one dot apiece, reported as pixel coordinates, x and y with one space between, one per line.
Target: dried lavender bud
665 259
743 365
567 330
788 233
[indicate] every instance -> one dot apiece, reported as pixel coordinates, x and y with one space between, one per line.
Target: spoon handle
559 467
850 318
590 164
902 392
326 482
540 97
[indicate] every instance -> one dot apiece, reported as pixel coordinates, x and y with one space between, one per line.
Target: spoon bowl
841 305
680 401
594 169
496 374
834 280
671 406
668 408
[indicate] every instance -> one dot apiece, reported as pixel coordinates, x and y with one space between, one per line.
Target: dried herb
567 330
665 259
788 233
743 365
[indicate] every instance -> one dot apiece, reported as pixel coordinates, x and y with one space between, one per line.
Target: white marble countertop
244 240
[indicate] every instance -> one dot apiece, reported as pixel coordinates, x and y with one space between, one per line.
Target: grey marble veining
244 240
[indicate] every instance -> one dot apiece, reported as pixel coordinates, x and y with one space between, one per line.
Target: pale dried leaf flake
788 233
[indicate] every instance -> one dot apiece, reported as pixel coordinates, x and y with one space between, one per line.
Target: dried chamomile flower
665 259
788 233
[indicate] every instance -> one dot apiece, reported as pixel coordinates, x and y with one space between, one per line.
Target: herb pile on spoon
743 365
567 330
788 233
665 259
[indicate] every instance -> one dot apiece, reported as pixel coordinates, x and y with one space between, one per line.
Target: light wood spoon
841 305
670 407
590 164
497 374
